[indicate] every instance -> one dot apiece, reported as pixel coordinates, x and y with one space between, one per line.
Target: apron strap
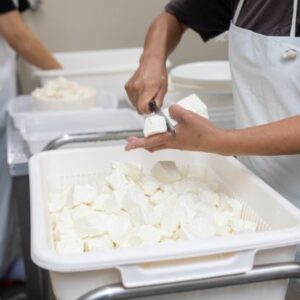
294 19
238 11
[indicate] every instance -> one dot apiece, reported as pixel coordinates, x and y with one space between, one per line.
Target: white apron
266 87
7 92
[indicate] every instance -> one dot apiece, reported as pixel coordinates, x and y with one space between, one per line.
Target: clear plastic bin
38 131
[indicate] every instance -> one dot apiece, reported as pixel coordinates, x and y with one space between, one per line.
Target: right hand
150 81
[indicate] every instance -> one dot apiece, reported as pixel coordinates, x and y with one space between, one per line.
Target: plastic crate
74 275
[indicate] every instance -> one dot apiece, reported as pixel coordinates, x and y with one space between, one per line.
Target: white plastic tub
211 81
73 275
22 108
105 70
40 130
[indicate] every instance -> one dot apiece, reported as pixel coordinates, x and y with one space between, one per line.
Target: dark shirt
8 5
212 17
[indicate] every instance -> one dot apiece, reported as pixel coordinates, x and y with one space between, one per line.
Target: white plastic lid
210 74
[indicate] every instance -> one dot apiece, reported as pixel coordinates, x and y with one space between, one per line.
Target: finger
150 142
158 140
134 143
143 100
163 147
179 114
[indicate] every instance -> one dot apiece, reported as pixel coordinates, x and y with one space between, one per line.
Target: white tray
21 108
74 275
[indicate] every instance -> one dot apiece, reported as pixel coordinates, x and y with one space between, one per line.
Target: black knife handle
152 106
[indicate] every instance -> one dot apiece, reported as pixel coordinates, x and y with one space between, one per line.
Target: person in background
264 56
15 38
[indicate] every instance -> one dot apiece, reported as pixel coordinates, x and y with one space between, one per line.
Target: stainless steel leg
36 283
258 274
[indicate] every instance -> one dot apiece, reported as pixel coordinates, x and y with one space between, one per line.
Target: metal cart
38 280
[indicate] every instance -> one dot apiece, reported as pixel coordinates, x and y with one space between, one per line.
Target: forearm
33 51
162 38
24 42
277 138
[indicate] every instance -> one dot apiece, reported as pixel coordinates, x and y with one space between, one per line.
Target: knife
154 108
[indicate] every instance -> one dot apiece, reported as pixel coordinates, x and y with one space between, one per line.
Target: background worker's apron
7 92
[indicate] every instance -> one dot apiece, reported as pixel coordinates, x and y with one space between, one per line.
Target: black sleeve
6 6
207 17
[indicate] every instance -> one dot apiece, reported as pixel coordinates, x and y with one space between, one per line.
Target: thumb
179 114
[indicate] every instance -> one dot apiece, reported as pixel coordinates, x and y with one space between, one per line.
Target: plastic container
40 130
211 81
73 275
209 75
105 70
21 108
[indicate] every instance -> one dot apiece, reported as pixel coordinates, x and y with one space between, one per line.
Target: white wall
68 25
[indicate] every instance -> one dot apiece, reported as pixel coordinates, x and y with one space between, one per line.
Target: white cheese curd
118 227
166 172
63 89
89 223
137 207
154 124
103 242
84 194
131 170
57 201
192 103
149 185
100 201
70 246
116 180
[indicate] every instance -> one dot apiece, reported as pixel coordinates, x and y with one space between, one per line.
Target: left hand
193 133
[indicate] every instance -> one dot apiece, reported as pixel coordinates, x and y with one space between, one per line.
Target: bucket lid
202 74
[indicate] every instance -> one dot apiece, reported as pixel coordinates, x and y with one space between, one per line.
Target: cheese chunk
118 227
84 194
154 125
192 103
98 243
166 172
57 201
70 246
149 185
131 170
116 180
89 223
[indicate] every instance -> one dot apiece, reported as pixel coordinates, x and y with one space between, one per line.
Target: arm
24 42
150 79
198 134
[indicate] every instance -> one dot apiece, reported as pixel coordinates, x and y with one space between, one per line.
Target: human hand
193 133
150 81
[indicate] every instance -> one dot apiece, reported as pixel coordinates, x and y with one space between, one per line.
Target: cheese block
154 124
192 103
166 172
